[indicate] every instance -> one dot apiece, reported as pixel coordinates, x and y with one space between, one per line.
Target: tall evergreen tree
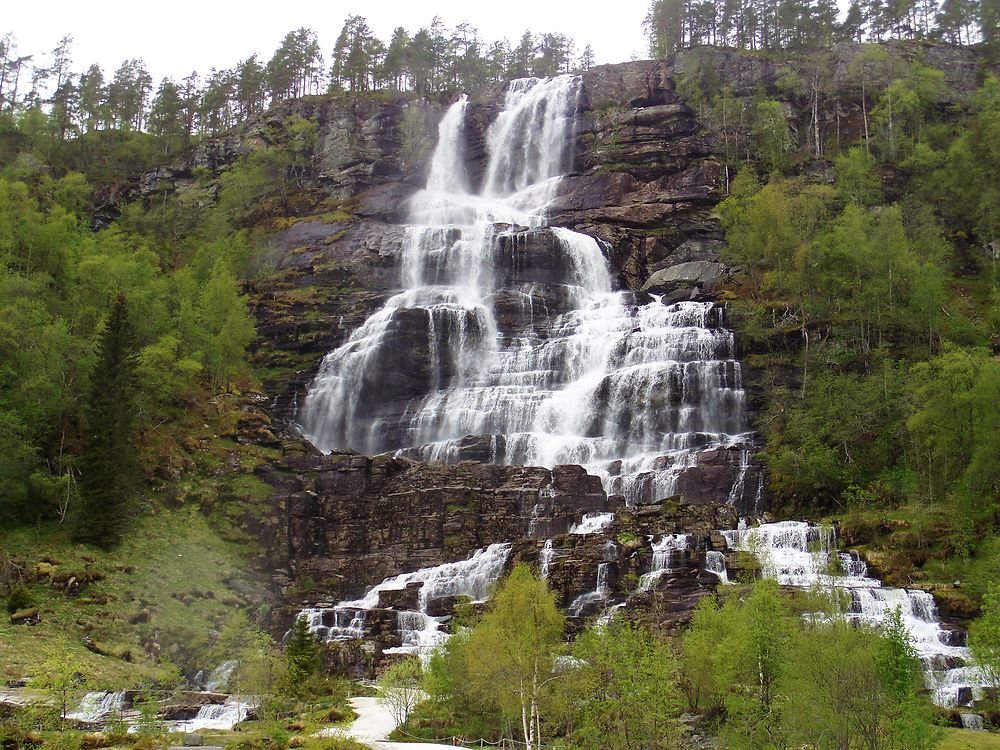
109 423
301 656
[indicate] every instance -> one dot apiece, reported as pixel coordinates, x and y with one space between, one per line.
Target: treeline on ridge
434 59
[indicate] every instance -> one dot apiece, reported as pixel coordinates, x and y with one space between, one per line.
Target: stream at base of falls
800 555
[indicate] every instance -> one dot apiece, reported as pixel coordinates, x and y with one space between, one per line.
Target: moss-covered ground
157 599
964 739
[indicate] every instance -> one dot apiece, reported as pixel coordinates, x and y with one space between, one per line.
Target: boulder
702 274
405 598
29 616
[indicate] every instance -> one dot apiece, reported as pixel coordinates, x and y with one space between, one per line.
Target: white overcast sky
178 36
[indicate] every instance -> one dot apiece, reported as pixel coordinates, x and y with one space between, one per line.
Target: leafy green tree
771 135
984 636
704 656
765 636
622 691
511 652
106 465
93 99
954 418
455 699
166 116
855 177
855 687
61 676
400 688
261 673
18 458
225 324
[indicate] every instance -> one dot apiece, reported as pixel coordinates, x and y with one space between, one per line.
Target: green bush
19 598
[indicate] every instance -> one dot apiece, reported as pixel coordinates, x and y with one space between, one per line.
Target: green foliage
499 674
109 416
844 689
622 693
19 598
905 109
778 680
400 688
248 187
984 636
954 426
225 326
856 178
772 138
302 657
512 649
57 280
61 677
858 297
502 677
703 659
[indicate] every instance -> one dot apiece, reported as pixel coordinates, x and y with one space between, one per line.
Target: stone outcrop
689 280
353 520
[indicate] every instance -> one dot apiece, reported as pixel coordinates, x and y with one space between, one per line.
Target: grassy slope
173 566
963 739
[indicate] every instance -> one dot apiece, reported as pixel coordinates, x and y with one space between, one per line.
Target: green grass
173 567
963 739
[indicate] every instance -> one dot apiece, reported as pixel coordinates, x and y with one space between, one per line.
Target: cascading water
511 329
599 595
804 556
97 707
219 716
545 559
665 551
592 523
715 562
418 630
218 678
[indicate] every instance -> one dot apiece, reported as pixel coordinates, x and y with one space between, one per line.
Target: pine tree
302 658
109 421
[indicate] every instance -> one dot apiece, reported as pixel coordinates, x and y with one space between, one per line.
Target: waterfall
545 559
972 721
473 577
798 554
220 716
96 707
664 552
715 562
600 594
218 679
592 523
512 330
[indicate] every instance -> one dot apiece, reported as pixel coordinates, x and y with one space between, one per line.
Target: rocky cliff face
645 182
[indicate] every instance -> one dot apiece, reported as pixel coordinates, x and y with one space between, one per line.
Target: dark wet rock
704 275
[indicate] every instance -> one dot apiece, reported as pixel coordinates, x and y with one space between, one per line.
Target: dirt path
373 725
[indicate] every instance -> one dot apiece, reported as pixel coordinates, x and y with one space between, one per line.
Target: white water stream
798 554
99 707
419 631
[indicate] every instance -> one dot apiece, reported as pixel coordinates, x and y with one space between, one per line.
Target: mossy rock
45 569
27 616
